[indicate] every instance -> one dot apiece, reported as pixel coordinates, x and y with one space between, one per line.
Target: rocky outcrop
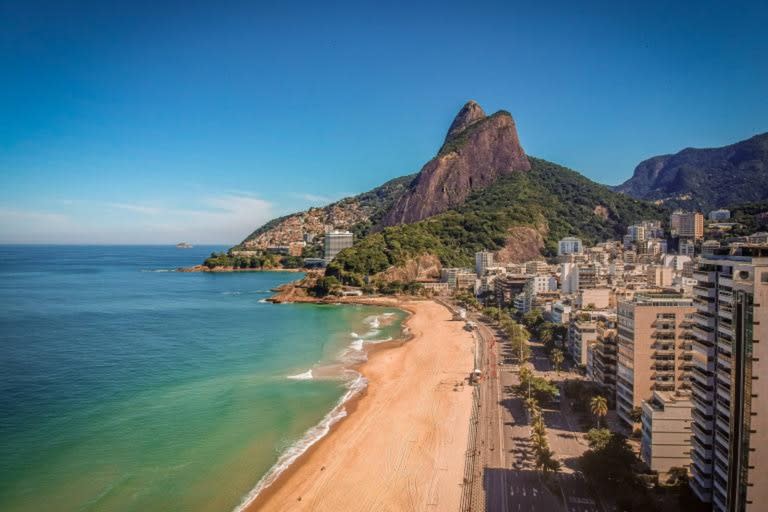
477 151
419 268
523 243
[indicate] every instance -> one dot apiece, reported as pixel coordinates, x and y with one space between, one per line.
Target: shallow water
126 386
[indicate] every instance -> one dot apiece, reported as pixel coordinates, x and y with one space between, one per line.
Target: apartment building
569 245
335 242
666 427
730 391
581 334
604 356
654 348
483 260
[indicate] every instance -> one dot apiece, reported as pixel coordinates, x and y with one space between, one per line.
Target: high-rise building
691 225
730 391
654 348
335 242
569 245
483 260
636 233
605 355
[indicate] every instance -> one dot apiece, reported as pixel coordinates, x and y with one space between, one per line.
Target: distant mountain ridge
704 179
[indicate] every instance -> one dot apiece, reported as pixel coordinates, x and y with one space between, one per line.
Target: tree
325 285
546 462
598 438
636 414
610 467
599 407
557 359
532 405
525 375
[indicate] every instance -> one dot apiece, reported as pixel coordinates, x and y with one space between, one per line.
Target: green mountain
480 192
521 215
704 179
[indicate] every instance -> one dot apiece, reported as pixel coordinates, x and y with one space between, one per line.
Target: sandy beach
402 446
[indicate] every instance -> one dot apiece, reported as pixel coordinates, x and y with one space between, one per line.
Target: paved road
510 481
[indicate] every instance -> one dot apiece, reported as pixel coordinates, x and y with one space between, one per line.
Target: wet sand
402 445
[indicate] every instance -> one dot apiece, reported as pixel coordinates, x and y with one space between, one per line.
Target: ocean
127 386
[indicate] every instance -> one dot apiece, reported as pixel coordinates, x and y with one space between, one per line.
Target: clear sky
162 121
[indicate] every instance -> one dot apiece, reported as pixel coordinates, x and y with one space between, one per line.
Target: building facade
569 245
730 391
335 242
654 348
666 431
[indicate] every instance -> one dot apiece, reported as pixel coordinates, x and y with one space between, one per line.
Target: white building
569 278
569 245
483 260
335 242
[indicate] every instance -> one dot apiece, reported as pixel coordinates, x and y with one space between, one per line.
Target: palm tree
532 405
557 359
599 407
525 374
545 460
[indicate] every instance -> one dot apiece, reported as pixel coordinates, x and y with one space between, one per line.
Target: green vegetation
538 388
598 438
599 407
557 357
325 286
750 219
544 457
581 394
549 198
222 259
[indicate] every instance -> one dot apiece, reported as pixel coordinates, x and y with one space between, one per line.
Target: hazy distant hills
704 179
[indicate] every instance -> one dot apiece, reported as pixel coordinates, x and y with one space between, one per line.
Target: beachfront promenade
505 478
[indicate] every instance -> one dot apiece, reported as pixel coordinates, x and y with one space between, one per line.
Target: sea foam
313 435
307 375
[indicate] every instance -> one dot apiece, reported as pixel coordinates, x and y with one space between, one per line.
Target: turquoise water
125 386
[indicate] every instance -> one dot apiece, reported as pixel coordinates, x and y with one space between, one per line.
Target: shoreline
214 270
380 370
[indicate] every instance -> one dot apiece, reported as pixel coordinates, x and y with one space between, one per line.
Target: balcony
722 423
726 330
704 291
702 465
701 449
704 334
724 346
699 428
723 407
723 395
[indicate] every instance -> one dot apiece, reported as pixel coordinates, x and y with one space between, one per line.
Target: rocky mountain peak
477 151
470 113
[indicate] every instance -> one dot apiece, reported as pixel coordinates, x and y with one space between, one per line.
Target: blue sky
155 122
